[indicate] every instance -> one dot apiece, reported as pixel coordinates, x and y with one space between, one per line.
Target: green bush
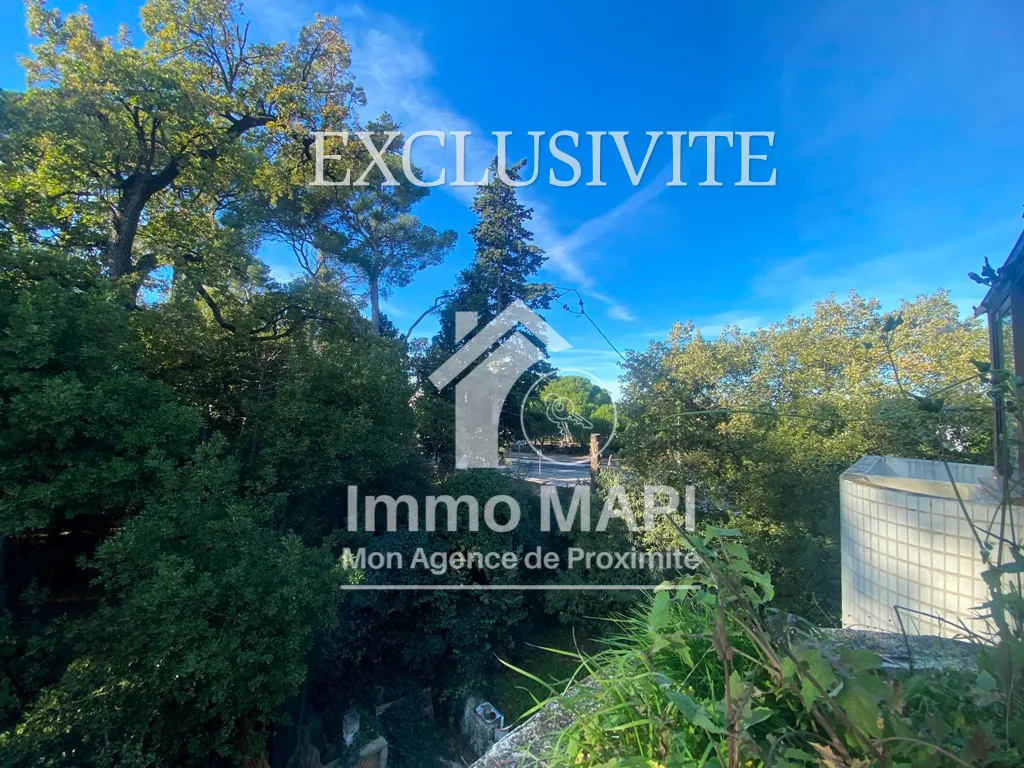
706 674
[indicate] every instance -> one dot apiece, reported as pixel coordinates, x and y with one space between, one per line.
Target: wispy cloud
591 230
713 325
891 277
565 251
619 312
393 310
393 67
391 64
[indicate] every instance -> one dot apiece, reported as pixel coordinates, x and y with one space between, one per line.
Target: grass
514 693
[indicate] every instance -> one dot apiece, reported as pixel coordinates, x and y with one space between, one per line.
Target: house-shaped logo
480 395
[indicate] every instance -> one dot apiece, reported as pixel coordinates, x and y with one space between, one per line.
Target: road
530 467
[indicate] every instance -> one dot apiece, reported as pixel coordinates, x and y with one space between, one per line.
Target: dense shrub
763 424
706 674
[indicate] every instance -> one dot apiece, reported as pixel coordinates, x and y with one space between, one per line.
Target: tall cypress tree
506 259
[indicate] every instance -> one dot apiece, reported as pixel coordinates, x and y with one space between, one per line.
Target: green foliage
439 638
199 595
83 430
367 228
119 146
560 396
1002 552
504 263
372 229
176 427
706 674
413 742
506 257
483 485
516 691
336 417
590 608
764 423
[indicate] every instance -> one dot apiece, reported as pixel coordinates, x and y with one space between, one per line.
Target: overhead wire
582 312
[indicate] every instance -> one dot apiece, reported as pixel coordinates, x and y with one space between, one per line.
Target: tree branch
433 308
240 125
214 309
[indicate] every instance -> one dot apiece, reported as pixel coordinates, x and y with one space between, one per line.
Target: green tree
131 152
202 634
370 228
505 260
763 423
565 395
172 442
444 639
84 432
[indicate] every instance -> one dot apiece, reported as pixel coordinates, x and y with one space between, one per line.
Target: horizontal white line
495 587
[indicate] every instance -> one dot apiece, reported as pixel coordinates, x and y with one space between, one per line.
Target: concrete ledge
925 651
527 743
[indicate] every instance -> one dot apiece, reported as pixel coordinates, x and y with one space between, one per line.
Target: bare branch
432 308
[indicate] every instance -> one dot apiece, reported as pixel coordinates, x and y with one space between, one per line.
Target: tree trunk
124 228
136 191
374 304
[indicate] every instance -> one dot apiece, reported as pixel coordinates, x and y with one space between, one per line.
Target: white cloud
619 312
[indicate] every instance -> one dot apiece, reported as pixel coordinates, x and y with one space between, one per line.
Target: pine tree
506 257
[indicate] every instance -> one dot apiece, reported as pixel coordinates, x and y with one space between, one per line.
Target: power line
607 340
583 313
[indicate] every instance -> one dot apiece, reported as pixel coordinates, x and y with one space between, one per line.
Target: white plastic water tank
906 543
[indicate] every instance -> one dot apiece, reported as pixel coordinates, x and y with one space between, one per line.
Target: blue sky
897 144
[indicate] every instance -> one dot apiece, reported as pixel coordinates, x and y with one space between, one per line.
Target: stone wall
480 734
